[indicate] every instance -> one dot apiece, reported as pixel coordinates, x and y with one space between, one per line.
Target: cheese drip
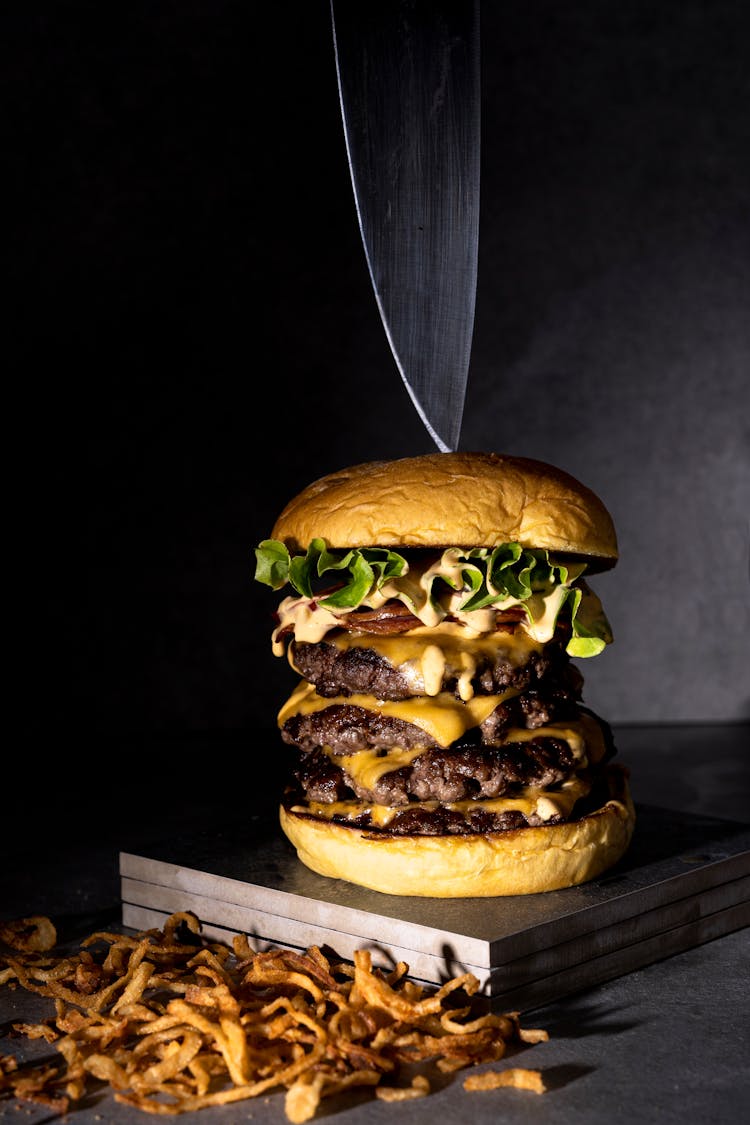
366 767
443 717
541 803
426 656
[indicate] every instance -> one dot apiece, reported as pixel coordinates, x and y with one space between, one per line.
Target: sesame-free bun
452 499
516 862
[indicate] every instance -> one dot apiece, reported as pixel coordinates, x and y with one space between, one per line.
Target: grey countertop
666 1043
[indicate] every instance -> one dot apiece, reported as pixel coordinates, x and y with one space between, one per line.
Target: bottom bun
520 861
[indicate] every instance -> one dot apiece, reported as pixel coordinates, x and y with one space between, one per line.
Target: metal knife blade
409 86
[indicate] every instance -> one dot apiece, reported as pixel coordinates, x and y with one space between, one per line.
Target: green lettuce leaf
272 563
508 574
591 629
359 570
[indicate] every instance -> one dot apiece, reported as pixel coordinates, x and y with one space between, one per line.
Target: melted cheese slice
453 638
542 803
366 767
443 717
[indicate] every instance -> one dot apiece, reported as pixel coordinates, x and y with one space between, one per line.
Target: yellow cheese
366 767
400 647
584 737
443 717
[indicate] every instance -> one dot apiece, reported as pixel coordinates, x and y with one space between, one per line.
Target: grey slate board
685 880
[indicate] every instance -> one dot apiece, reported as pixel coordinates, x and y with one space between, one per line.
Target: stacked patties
440 743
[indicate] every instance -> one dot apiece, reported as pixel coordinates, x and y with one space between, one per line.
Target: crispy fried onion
173 1023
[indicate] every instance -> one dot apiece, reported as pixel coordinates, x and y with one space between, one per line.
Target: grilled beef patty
354 670
344 728
416 820
447 775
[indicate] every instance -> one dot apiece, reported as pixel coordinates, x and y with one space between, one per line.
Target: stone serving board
684 881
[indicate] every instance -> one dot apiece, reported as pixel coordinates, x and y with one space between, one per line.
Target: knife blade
409 88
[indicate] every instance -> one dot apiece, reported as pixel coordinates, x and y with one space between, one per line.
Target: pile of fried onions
173 1022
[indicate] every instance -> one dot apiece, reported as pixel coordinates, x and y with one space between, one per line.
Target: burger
439 746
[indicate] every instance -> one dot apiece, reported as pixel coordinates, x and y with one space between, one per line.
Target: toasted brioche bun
452 499
517 862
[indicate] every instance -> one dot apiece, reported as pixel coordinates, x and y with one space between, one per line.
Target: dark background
191 337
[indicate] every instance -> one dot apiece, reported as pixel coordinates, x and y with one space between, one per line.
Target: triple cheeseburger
440 744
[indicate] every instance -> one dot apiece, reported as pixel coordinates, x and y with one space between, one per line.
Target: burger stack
438 741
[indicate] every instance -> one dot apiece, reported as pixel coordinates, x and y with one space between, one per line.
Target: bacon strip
393 617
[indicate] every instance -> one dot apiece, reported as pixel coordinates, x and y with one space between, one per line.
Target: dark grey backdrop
192 336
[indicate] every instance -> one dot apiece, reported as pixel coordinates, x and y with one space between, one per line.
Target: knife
409 87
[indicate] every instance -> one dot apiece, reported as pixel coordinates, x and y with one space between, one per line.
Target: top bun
451 500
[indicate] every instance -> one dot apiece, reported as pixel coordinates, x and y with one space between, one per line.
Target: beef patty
438 820
446 775
353 670
345 728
